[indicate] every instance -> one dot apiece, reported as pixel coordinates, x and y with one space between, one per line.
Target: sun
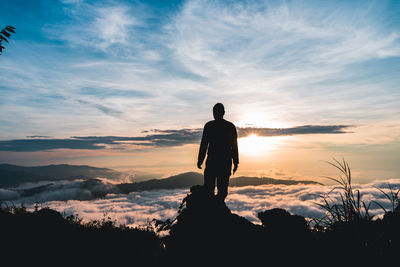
254 145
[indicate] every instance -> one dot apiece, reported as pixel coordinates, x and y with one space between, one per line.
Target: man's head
218 111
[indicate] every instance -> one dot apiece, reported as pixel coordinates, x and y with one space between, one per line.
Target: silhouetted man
220 139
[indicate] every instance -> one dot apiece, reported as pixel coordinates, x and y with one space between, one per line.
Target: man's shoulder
209 124
218 123
230 124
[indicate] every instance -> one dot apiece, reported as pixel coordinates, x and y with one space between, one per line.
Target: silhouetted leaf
3 38
10 29
5 33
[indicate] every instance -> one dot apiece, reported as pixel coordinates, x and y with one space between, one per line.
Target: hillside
71 182
13 175
186 180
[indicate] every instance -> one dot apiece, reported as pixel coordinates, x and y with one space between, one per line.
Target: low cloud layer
160 138
64 190
140 207
305 129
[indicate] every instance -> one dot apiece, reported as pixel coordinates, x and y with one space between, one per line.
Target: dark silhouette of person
219 140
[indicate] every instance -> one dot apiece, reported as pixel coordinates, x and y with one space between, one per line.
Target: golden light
254 145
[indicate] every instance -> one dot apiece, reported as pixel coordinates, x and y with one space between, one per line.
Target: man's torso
221 135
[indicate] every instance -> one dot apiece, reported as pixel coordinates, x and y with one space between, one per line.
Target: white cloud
291 52
133 209
97 26
275 59
138 208
112 25
213 39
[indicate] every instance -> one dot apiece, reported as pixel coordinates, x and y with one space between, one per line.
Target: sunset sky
129 84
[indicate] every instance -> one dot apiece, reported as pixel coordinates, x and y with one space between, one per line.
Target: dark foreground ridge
204 232
45 237
206 229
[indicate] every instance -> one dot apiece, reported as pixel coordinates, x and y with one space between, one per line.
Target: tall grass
393 197
348 206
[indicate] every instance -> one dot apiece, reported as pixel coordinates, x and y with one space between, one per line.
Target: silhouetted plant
393 197
161 226
5 34
18 209
36 207
105 222
74 219
349 207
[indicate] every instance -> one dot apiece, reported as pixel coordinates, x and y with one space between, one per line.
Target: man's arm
203 147
235 152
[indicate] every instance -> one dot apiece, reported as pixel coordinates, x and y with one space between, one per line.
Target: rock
206 229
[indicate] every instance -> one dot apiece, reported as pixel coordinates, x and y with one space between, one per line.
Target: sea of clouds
138 208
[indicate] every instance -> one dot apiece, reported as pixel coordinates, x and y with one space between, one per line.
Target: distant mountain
93 188
186 180
13 175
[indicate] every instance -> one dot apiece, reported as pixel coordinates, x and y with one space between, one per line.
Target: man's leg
222 185
209 181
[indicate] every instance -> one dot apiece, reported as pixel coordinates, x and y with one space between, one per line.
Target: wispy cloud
106 110
96 26
295 62
112 26
160 138
284 55
305 129
123 66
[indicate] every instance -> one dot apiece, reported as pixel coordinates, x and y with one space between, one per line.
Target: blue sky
118 68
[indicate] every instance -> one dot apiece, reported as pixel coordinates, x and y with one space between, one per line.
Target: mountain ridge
188 179
13 175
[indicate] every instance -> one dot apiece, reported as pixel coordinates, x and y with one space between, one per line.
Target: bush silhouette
46 237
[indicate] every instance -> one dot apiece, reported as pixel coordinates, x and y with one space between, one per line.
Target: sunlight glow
254 145
259 119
